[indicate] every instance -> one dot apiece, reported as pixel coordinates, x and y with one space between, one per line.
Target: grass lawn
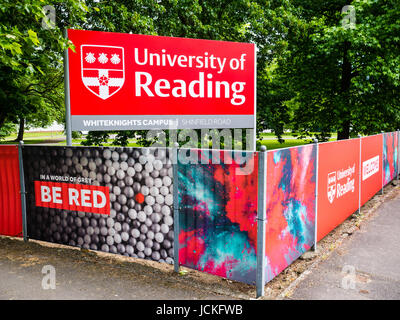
33 135
274 144
77 142
269 140
30 141
289 135
36 137
270 144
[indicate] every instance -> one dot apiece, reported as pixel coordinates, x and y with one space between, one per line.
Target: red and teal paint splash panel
218 216
290 217
390 154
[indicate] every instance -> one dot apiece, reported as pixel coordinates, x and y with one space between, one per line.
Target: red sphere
139 198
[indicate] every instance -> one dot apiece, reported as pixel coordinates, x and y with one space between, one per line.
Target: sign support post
23 193
255 101
68 129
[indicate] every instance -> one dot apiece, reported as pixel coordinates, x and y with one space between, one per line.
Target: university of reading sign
126 81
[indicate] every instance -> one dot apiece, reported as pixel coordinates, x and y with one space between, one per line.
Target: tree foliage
31 65
315 74
341 77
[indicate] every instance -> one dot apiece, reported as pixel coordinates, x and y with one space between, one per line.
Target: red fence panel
371 166
338 183
10 197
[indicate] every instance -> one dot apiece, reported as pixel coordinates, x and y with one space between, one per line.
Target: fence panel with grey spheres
137 183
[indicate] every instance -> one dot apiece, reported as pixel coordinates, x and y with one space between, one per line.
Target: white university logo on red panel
103 69
370 167
331 186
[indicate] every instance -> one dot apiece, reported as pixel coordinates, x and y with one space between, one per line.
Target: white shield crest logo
103 69
331 186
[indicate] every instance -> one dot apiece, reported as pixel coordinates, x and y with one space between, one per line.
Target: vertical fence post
359 177
176 205
383 168
316 197
23 193
261 212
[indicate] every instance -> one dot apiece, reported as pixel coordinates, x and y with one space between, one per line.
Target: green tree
341 77
31 65
7 129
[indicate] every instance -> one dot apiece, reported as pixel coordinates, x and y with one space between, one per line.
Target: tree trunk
20 136
2 119
344 131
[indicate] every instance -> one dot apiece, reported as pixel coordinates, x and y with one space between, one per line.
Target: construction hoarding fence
199 209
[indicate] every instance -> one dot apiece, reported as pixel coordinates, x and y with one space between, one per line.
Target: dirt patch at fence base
198 285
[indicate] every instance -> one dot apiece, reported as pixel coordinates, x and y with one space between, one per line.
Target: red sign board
371 166
338 183
75 197
126 81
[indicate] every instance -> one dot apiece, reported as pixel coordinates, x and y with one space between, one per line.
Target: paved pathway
366 266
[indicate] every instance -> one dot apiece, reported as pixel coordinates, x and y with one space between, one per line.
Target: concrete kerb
323 255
